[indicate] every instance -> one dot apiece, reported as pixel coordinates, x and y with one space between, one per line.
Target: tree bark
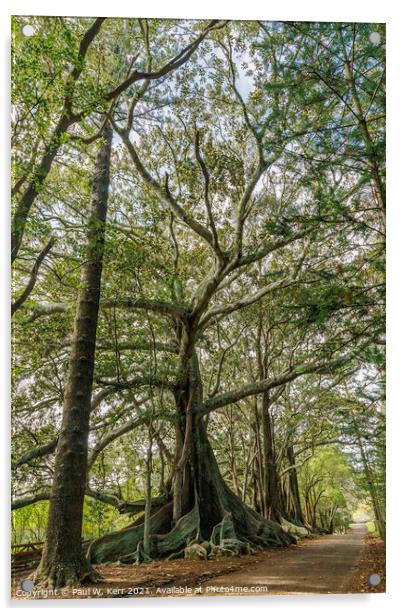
297 512
272 493
62 561
148 495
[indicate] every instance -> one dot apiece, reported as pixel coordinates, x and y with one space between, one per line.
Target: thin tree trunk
62 561
273 505
294 486
259 463
233 464
148 496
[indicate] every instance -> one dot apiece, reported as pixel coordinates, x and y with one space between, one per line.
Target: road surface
323 565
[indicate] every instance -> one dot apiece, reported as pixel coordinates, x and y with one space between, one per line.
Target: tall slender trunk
308 507
233 464
273 504
332 513
148 495
62 561
297 512
260 500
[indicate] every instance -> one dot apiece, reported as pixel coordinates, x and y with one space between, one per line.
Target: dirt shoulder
373 560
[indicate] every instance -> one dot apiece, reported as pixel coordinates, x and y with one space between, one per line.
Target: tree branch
33 277
104 497
65 121
259 387
270 247
38 452
139 345
170 66
160 307
117 433
207 199
24 501
224 310
162 192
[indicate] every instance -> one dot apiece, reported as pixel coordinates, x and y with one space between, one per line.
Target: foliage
247 203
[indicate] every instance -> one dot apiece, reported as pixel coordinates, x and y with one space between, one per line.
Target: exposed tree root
237 533
117 545
213 515
296 530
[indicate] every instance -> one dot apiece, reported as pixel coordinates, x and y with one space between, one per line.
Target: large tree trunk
62 561
203 508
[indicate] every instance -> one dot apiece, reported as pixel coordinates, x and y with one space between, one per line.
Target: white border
306 10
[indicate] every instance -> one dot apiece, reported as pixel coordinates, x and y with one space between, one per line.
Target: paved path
322 565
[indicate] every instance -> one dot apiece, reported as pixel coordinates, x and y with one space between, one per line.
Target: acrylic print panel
198 231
